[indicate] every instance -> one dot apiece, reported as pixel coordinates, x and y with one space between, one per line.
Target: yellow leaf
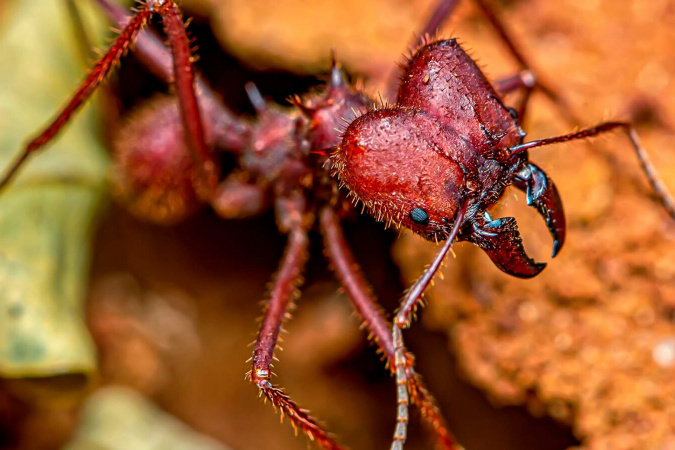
47 214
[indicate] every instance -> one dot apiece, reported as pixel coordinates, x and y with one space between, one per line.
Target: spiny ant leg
292 218
207 170
525 65
646 165
148 47
347 270
152 52
97 74
402 320
110 104
184 78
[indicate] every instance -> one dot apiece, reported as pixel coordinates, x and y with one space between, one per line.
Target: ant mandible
434 161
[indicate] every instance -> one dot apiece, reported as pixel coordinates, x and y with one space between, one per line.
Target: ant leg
646 165
184 76
207 170
237 198
347 270
403 320
292 218
539 84
524 80
230 131
110 105
97 74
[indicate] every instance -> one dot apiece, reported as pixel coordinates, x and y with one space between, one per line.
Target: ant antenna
646 165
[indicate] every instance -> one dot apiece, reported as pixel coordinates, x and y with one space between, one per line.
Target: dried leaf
47 215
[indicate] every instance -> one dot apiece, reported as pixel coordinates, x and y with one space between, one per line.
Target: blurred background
583 355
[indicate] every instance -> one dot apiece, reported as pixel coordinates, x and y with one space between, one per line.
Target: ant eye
419 216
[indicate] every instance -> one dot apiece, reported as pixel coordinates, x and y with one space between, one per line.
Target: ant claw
501 241
543 195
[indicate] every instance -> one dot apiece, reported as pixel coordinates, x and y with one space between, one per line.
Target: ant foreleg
184 78
230 131
347 270
99 72
87 50
292 218
646 165
402 320
207 170
148 47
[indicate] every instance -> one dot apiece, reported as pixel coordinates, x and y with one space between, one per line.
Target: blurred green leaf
119 418
47 215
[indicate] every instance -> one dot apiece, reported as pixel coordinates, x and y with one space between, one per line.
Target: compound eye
419 216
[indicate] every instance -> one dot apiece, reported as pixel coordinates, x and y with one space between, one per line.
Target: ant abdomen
153 167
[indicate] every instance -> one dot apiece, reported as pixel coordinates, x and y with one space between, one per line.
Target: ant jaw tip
538 267
535 269
557 246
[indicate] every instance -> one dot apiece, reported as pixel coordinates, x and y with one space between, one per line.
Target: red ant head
415 162
392 160
446 143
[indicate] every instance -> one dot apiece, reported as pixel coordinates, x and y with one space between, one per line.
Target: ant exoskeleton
434 161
